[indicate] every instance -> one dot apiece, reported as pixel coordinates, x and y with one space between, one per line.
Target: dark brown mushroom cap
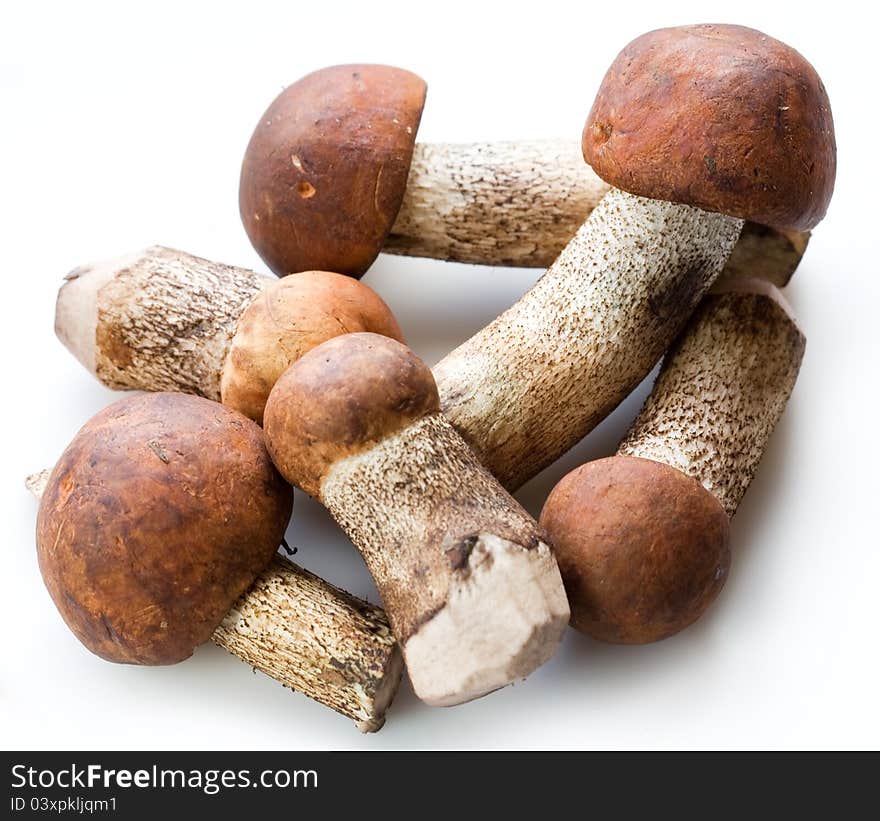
339 399
642 548
721 117
158 516
288 318
325 171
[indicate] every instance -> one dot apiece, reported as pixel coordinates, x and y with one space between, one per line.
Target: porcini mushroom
163 319
470 586
158 530
333 174
721 122
642 538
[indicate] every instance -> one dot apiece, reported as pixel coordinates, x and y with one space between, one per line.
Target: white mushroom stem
519 203
312 637
532 383
722 388
471 588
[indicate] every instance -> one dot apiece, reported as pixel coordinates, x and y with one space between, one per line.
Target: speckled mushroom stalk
333 175
311 637
721 390
642 537
469 583
536 380
519 203
696 128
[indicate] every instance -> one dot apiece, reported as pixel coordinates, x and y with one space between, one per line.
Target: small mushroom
288 318
469 583
642 538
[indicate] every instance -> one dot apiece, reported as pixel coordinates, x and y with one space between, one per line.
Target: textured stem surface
157 320
721 390
317 639
504 203
531 384
310 636
471 588
519 203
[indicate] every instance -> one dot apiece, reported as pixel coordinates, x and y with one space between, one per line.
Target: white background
124 128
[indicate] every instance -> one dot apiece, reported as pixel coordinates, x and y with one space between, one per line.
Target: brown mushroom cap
341 397
325 171
642 548
158 516
721 117
286 320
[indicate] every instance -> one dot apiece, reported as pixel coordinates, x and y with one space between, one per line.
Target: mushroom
158 530
697 128
469 583
333 174
163 319
642 538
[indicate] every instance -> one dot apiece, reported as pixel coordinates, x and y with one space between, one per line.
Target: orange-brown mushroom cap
158 516
286 320
325 171
642 548
721 117
339 399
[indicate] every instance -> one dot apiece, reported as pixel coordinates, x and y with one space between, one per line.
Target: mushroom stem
519 203
500 203
722 388
316 639
532 383
471 587
311 637
155 320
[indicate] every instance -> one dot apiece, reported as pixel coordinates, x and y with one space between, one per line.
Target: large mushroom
158 530
739 128
333 174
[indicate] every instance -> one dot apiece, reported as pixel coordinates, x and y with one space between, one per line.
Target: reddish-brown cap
721 117
642 548
326 168
158 516
287 319
339 399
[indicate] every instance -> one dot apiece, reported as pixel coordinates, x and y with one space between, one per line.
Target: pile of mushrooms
710 155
